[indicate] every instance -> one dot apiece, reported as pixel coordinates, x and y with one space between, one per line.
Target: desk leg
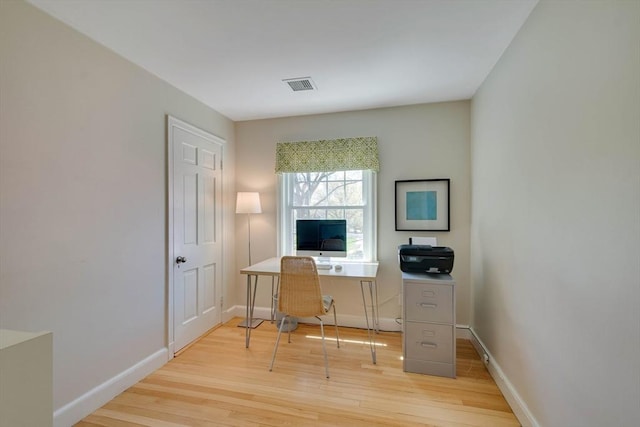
247 331
370 332
374 309
251 302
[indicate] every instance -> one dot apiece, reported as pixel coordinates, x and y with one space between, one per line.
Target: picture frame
422 205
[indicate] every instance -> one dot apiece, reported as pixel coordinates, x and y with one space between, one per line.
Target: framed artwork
422 205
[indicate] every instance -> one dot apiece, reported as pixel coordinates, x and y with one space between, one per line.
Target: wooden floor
218 382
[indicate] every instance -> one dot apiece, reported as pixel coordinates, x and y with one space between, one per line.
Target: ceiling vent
300 83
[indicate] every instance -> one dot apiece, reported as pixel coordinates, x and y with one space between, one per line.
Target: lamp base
254 323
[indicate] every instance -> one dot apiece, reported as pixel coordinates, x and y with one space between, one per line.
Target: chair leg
335 322
274 296
273 358
324 348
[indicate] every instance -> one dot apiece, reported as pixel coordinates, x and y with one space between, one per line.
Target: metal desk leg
370 333
374 309
251 302
373 295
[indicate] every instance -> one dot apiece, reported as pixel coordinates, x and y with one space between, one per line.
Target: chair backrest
300 293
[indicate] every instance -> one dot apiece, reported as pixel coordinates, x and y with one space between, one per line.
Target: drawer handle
428 305
428 345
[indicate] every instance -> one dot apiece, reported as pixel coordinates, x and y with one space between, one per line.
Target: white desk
365 272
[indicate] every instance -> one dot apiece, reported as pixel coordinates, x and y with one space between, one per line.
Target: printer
425 259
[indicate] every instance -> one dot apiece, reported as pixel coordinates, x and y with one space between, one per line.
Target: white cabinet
429 325
26 379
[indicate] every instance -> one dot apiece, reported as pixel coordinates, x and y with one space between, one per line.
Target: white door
196 227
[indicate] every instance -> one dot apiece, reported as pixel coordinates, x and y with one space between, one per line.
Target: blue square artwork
422 205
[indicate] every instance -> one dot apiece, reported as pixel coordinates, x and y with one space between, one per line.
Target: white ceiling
361 54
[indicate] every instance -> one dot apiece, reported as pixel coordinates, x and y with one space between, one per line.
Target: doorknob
180 259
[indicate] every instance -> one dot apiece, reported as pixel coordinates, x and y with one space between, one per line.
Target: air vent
300 83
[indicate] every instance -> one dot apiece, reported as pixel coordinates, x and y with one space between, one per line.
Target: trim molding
518 405
345 320
89 402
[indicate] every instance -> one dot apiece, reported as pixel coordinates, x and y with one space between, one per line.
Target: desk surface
351 270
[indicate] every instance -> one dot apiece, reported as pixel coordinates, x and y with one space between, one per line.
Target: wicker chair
300 295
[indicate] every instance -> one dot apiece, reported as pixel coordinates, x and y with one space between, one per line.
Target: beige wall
556 213
83 194
415 142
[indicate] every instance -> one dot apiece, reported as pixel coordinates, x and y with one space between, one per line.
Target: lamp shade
248 202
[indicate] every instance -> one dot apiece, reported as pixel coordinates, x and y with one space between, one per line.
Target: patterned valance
328 155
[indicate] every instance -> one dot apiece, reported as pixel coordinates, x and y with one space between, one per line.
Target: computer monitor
321 237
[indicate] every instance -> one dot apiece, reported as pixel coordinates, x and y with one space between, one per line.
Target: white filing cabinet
429 325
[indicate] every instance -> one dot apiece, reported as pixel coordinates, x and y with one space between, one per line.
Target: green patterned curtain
328 155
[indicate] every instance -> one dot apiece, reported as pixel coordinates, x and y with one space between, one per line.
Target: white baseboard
86 404
230 313
345 320
518 406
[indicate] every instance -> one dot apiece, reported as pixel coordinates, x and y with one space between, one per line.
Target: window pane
336 193
353 194
355 240
354 175
336 176
305 213
318 195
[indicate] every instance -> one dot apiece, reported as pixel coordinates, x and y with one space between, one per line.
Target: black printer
425 259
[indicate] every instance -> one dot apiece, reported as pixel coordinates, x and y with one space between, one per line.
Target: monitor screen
321 237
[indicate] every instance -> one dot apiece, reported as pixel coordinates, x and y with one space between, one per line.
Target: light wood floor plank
218 382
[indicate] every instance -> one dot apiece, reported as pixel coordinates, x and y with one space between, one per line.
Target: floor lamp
249 203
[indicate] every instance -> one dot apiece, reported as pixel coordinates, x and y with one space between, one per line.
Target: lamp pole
249 202
249 228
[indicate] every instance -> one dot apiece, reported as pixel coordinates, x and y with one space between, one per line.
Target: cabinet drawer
427 341
427 302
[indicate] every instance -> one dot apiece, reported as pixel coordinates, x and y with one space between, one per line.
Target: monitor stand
323 263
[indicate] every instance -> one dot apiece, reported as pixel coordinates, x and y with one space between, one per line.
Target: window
346 195
332 179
